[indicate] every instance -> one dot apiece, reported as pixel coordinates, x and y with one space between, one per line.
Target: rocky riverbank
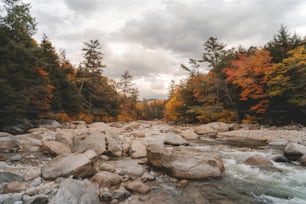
146 162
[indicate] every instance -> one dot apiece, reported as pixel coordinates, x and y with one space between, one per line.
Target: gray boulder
211 128
175 140
189 135
77 164
186 163
73 191
294 151
95 140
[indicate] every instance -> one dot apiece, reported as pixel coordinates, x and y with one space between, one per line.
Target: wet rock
186 163
106 196
76 191
14 187
302 160
138 186
259 161
106 179
95 141
138 150
175 140
37 199
211 128
121 194
294 151
189 135
280 158
280 145
138 134
8 177
113 146
54 148
77 164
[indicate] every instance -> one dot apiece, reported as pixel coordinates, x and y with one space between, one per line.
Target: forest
246 85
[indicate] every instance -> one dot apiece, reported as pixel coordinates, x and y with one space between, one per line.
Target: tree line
36 82
265 85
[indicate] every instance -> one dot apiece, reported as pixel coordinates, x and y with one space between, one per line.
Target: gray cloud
160 35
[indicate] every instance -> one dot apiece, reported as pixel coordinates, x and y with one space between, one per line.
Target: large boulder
186 163
259 161
77 164
138 150
294 151
54 148
94 140
106 179
211 128
189 135
73 191
175 140
113 146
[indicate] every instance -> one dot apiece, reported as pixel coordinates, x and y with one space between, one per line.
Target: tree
282 42
128 109
125 84
18 21
287 86
249 74
26 91
93 57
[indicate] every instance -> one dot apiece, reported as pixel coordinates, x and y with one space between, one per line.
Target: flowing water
283 183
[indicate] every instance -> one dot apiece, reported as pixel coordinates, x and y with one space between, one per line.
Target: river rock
46 123
65 136
113 146
138 150
95 141
14 187
175 140
138 134
11 198
302 160
186 163
106 179
8 177
15 158
128 167
280 158
37 199
258 160
77 164
76 191
54 148
189 135
211 128
138 186
294 151
9 144
121 193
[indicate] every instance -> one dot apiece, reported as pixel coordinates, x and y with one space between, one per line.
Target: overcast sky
151 38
